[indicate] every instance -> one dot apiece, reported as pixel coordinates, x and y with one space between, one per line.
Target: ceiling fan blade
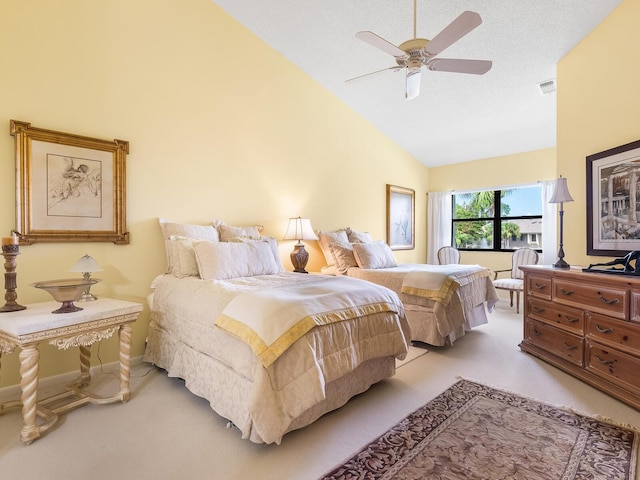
476 67
453 32
395 68
380 43
413 83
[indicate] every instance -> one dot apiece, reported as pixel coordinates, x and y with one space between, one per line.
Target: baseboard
12 392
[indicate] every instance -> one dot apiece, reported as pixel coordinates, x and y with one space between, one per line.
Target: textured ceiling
457 117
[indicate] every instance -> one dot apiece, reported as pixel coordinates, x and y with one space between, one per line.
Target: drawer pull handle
536 332
538 309
540 286
609 302
566 292
603 330
605 362
571 319
569 347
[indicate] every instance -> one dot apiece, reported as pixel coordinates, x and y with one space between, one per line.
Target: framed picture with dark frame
613 201
400 218
69 188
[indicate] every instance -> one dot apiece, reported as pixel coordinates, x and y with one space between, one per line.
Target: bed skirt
228 392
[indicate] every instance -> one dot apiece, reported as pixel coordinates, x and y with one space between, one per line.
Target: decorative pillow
374 255
358 237
200 232
327 238
183 257
272 242
224 260
343 255
227 232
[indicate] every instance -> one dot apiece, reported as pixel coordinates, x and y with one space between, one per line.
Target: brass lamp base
299 258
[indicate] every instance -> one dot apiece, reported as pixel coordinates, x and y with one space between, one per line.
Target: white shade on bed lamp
299 229
87 265
561 195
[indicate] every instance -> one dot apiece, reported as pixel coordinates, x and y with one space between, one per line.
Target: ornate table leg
85 363
124 336
29 357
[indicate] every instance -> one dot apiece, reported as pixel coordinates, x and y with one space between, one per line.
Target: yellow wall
598 109
516 169
219 125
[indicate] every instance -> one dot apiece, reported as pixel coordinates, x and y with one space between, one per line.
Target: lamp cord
117 375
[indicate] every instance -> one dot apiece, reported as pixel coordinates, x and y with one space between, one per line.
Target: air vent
547 87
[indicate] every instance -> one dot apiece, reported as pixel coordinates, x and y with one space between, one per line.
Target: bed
271 351
442 302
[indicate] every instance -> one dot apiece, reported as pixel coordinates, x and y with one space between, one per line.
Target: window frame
496 221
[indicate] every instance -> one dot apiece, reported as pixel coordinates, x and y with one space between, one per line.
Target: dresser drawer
538 286
562 316
615 333
613 365
634 307
562 344
607 300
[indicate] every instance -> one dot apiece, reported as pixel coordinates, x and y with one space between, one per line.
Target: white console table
26 329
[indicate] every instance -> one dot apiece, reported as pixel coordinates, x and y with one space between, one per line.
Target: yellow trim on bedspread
442 284
270 353
270 320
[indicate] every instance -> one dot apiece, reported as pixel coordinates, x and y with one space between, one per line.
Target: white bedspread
433 321
440 282
298 308
263 402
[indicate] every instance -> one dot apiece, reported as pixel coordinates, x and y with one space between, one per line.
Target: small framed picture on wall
400 218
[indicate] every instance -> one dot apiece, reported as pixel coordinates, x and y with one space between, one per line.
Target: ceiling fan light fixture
413 82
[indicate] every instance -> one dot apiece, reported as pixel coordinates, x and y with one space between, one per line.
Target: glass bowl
65 291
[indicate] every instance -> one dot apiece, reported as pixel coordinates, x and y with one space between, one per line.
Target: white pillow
200 232
227 232
272 242
183 257
327 238
224 260
374 255
343 255
358 237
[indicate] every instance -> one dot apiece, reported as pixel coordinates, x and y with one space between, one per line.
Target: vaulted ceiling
457 117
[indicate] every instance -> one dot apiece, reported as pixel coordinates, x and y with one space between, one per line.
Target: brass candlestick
10 251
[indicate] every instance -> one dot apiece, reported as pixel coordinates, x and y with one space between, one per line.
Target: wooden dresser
587 324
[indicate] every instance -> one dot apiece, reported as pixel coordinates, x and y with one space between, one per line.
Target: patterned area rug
472 431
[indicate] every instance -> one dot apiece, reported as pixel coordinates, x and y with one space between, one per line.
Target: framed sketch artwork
613 201
69 188
400 218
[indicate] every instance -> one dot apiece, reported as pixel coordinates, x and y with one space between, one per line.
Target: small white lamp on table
87 265
299 229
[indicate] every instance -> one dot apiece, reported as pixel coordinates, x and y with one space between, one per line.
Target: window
516 213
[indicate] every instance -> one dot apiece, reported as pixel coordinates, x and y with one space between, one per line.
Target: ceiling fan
413 54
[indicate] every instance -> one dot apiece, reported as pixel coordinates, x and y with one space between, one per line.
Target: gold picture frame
69 188
400 218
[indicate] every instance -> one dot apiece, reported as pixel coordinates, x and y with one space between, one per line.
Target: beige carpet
414 352
472 431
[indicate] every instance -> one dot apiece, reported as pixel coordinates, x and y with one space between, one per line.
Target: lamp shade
86 263
299 229
561 192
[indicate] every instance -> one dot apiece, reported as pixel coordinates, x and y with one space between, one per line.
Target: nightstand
26 329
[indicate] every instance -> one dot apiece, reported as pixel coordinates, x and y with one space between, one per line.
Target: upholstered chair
447 255
515 282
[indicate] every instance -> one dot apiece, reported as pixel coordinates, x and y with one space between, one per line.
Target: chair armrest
496 272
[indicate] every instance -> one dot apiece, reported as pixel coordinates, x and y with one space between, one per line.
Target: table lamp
560 195
87 265
299 229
